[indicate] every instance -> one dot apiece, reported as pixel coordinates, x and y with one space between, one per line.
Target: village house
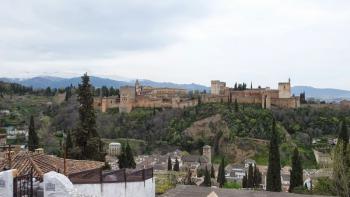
235 172
3 139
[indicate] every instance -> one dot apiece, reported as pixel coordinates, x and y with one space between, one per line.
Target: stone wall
293 102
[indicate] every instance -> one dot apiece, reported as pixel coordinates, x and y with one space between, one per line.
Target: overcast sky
182 41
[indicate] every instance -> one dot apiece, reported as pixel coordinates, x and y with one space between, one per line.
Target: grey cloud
81 29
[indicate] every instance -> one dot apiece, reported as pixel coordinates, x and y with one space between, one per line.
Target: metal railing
96 176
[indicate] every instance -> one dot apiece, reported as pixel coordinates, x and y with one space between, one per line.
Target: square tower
207 153
127 98
284 90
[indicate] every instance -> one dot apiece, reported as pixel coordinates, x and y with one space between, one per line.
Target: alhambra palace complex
139 96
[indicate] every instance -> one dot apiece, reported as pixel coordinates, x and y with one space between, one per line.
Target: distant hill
57 82
327 94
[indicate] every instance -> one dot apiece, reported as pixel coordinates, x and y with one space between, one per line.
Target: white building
114 149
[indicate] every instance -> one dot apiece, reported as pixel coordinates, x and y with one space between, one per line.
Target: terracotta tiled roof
42 163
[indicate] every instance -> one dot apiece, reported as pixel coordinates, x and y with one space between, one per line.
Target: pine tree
244 181
86 137
221 173
176 165
273 180
212 172
296 174
129 156
169 164
33 139
250 180
207 179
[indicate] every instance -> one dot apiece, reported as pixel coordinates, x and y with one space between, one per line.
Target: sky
179 41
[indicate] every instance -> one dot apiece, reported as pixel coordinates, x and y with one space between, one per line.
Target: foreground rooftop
195 191
40 163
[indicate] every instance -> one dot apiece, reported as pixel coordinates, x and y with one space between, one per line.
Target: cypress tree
169 164
176 165
343 134
341 171
207 180
273 180
212 172
86 137
244 181
296 174
257 177
69 143
122 160
221 174
250 180
33 139
129 156
236 105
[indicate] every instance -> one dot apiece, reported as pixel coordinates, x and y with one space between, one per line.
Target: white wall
6 183
131 189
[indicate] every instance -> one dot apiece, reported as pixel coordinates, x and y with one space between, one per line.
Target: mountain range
58 82
327 94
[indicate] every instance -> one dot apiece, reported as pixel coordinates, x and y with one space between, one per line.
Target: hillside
215 131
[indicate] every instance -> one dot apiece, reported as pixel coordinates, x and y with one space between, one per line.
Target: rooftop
23 161
195 191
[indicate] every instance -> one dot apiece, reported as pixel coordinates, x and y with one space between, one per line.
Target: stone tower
284 90
127 98
138 88
207 153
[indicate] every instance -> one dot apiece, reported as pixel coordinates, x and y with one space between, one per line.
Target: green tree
33 139
257 177
122 160
273 180
176 165
236 105
68 91
221 179
207 179
69 142
250 180
212 172
296 174
169 164
343 134
244 181
86 138
129 156
341 174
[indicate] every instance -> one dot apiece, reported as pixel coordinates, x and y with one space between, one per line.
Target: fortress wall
184 104
149 103
214 99
293 102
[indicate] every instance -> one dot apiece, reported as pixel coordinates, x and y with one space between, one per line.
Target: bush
324 186
232 185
